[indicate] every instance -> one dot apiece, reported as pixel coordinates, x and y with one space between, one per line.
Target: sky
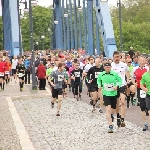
47 3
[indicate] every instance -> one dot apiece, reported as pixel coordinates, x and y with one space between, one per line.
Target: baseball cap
107 64
104 58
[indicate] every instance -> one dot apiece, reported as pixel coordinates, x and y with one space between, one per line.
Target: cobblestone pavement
133 114
76 129
8 136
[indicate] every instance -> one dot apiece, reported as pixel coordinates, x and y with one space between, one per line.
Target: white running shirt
121 69
14 63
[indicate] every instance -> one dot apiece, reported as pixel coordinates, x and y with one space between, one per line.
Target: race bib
142 94
6 72
96 74
109 87
21 75
77 74
1 74
60 77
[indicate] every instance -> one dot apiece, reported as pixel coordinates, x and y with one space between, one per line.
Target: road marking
25 141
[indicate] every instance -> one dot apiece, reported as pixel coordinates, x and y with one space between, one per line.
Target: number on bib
20 75
6 72
109 87
142 94
1 74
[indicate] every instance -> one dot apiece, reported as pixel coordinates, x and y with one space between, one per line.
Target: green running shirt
107 81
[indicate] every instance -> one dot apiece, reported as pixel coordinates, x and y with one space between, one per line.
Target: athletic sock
20 84
128 99
118 115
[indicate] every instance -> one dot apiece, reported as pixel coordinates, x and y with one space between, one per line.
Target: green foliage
135 25
42 20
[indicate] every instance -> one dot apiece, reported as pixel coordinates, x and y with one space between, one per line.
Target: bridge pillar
10 26
90 27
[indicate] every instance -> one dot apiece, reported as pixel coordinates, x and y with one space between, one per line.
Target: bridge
61 40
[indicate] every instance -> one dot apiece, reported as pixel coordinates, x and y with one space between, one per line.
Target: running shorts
56 92
110 100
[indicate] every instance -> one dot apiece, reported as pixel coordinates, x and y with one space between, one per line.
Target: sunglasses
129 62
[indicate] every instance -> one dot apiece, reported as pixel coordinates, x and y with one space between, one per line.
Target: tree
42 20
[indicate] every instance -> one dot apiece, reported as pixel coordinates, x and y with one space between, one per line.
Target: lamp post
56 23
120 24
49 30
43 37
80 25
34 85
26 10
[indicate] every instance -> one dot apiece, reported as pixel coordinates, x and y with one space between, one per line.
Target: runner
14 64
145 93
107 83
20 68
86 69
58 77
122 69
93 74
131 86
77 75
137 75
2 72
7 70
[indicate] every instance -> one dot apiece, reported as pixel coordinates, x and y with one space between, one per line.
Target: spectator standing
41 74
27 65
131 53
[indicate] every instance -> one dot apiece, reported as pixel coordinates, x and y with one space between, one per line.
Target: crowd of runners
114 82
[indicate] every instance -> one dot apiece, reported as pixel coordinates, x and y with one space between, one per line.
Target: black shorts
94 88
110 100
13 71
2 77
21 78
121 90
147 100
56 92
89 85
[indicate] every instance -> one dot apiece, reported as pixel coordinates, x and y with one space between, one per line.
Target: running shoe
118 122
123 124
91 101
80 96
100 111
93 110
58 114
56 100
110 130
145 127
52 105
20 89
128 105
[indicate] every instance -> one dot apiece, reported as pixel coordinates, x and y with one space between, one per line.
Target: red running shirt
138 72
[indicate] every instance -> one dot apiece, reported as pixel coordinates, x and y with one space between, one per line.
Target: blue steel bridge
65 38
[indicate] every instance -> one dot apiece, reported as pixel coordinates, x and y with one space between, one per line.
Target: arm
99 81
119 80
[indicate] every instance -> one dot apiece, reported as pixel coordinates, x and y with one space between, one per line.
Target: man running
59 77
137 75
20 68
93 74
108 81
2 72
14 64
122 69
76 75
